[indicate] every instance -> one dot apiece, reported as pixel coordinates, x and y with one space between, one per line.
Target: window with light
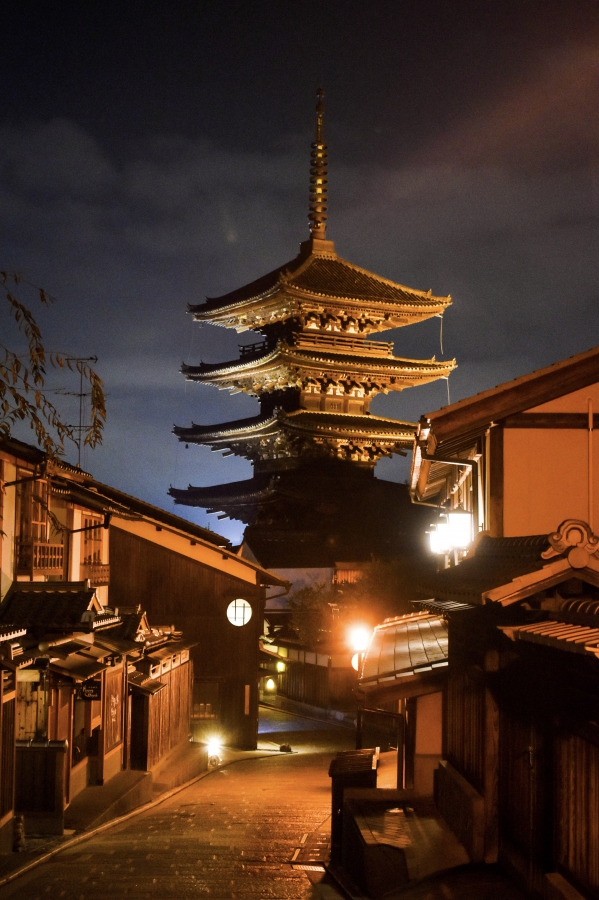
239 612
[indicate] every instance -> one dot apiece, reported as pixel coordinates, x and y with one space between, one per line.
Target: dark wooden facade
520 781
160 721
179 589
7 756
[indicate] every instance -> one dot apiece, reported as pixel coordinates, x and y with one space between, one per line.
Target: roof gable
519 395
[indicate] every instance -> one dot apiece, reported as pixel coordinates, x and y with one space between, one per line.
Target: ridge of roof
154 512
292 273
510 397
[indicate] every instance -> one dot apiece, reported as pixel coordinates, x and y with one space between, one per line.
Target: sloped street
232 834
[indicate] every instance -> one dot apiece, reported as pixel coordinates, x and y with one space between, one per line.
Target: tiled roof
318 422
137 507
31 606
337 277
494 562
557 634
347 422
244 491
239 428
127 628
325 275
404 646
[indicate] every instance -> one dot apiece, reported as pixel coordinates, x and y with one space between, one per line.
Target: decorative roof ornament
575 538
318 176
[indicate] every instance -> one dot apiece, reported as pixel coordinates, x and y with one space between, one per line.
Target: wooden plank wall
31 710
169 713
175 590
515 781
7 781
464 725
577 809
306 683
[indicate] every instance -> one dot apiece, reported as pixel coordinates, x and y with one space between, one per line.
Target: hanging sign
89 690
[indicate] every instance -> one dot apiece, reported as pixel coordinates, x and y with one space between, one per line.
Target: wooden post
491 764
401 753
495 477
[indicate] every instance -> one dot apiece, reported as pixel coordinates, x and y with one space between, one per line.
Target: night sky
152 154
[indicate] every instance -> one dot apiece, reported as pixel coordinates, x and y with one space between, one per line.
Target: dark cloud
148 162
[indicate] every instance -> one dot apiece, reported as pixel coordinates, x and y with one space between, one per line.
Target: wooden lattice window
32 510
92 539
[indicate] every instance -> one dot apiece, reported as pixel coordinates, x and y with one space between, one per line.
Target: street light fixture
360 639
455 533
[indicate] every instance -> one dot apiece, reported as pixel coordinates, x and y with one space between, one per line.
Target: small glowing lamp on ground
213 748
270 684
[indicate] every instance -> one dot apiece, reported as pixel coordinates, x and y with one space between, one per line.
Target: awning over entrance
404 646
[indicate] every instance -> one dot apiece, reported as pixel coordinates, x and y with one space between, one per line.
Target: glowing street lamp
439 538
455 533
359 639
460 528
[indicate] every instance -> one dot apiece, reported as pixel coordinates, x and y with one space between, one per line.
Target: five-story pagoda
314 444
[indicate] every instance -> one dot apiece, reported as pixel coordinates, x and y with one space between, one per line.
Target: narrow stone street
232 834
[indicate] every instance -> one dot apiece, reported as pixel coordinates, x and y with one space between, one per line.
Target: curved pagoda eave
237 500
290 434
322 284
289 367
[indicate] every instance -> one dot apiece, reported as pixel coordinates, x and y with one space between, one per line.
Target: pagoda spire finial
318 176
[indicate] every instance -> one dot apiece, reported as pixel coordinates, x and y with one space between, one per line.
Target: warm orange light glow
360 638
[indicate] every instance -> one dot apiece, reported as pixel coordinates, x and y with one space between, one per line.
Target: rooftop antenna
318 176
81 394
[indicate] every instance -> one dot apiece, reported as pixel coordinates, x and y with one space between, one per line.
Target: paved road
231 835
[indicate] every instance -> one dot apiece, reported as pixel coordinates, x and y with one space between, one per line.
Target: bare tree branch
23 379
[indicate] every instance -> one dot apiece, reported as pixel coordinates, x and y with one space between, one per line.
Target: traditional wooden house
520 774
87 674
520 771
187 575
95 693
520 457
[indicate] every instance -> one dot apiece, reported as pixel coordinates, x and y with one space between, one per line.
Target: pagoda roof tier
302 433
319 283
288 366
238 499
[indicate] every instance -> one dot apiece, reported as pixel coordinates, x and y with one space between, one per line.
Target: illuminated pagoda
314 443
